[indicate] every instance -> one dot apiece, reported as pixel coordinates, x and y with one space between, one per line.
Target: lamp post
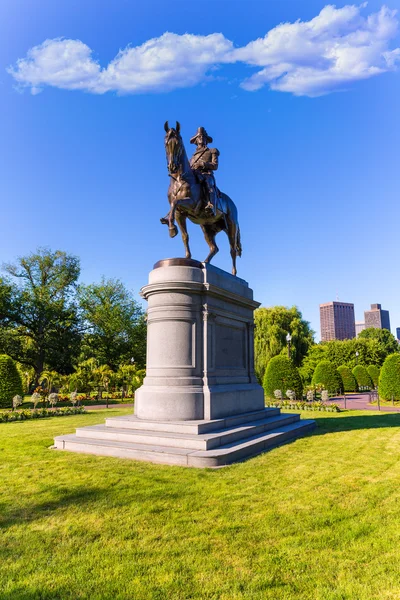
357 355
288 339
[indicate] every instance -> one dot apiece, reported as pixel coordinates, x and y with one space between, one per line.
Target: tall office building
398 333
360 326
337 321
377 318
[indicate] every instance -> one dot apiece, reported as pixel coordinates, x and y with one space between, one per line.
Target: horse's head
173 147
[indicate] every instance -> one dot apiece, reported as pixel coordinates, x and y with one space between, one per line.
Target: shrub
16 401
363 379
281 374
326 375
389 379
300 405
41 413
374 372
348 379
10 381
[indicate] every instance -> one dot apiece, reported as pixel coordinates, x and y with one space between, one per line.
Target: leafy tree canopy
116 328
348 379
271 328
384 337
39 320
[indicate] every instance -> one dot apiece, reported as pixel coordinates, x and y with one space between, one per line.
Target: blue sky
306 121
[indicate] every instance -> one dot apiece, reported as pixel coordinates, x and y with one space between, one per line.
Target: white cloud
315 57
311 58
61 63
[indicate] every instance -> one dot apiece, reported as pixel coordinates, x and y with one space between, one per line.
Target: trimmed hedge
315 406
389 380
362 377
10 381
326 375
348 379
41 413
281 374
374 372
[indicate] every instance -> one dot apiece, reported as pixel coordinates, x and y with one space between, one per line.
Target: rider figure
204 162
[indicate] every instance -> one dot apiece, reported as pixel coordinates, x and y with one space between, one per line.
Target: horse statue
187 199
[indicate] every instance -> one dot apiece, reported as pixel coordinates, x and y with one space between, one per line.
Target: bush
348 379
374 372
41 413
326 375
293 405
389 379
364 381
10 381
281 374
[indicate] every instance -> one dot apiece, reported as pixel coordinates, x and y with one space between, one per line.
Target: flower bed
317 406
40 413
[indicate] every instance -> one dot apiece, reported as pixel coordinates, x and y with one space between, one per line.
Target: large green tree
39 318
384 337
115 324
271 328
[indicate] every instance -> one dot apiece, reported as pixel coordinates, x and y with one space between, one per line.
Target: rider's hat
201 130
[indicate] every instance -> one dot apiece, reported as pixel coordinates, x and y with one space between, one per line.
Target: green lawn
315 519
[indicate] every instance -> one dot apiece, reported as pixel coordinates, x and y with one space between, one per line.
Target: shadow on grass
350 423
39 510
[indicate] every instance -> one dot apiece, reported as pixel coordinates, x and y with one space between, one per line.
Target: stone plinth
200 404
200 362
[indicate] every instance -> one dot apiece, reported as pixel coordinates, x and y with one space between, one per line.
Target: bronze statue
213 210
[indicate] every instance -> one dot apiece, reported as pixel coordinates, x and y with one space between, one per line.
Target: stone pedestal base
200 404
200 345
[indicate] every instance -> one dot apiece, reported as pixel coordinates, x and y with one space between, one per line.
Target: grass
315 519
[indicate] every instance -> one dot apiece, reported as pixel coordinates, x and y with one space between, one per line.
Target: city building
377 318
360 325
337 321
398 333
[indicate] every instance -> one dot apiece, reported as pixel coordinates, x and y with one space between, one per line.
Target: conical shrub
327 376
10 381
389 379
363 379
281 374
348 379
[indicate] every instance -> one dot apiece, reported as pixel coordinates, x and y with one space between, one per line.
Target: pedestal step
217 448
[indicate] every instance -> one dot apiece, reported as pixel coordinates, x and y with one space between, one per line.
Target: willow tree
271 328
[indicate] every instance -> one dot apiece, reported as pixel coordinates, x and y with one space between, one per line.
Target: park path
361 402
101 406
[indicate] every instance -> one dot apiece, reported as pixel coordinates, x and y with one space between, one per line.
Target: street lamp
357 355
288 339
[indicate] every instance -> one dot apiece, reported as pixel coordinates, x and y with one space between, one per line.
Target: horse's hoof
173 231
234 272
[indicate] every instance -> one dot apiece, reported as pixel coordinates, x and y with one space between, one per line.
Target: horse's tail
238 246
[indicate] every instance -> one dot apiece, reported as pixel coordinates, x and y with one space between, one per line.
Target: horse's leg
184 203
181 220
210 239
232 236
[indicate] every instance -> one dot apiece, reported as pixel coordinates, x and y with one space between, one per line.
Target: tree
326 375
39 319
348 379
316 353
271 328
374 372
116 327
10 381
281 374
384 337
389 379
362 377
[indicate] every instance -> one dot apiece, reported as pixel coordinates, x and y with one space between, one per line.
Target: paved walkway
361 402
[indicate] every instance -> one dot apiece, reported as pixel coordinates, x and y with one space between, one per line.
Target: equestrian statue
193 194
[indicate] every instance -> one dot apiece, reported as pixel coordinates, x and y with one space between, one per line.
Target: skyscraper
398 333
337 321
360 326
377 318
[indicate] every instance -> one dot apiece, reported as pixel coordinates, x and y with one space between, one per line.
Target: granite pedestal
200 403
